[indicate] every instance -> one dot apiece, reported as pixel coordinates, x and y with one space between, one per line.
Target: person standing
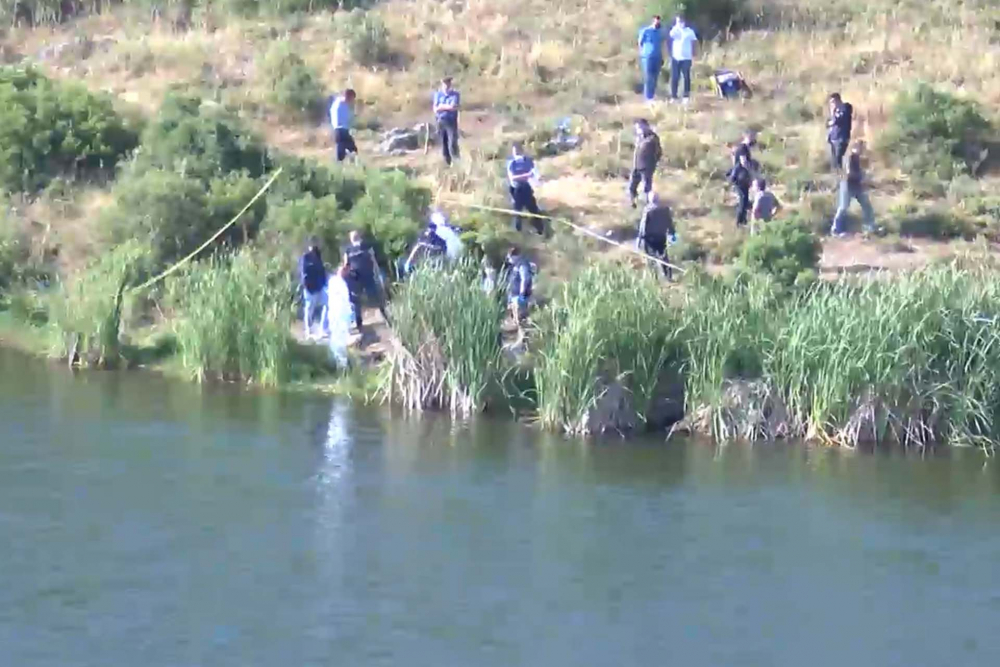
520 172
312 279
520 282
362 276
682 41
651 56
655 226
341 117
740 177
446 103
647 155
852 186
838 133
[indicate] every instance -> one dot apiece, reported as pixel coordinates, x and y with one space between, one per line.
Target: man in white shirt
682 40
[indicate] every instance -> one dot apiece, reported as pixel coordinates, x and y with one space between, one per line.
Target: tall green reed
448 340
233 318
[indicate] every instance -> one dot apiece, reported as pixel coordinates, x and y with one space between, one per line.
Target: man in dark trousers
655 227
363 277
446 103
312 278
647 155
341 117
740 178
520 171
838 133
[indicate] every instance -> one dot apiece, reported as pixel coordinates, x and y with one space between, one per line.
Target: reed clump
233 315
446 354
603 346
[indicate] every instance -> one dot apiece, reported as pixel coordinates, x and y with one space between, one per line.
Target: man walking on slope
520 171
838 133
682 40
651 57
655 226
341 116
647 155
852 186
446 103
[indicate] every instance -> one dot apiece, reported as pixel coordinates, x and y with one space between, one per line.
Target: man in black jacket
647 155
740 178
655 227
838 133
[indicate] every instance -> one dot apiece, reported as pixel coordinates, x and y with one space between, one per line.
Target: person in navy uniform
520 172
446 103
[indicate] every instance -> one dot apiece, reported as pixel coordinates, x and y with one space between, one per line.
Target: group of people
755 203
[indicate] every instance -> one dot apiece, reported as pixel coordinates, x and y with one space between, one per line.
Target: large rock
405 139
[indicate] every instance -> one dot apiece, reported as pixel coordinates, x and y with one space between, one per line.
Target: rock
615 411
400 138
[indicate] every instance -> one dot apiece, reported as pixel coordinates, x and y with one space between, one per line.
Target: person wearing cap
651 56
446 103
655 227
341 117
520 172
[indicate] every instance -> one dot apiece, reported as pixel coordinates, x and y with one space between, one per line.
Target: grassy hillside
525 65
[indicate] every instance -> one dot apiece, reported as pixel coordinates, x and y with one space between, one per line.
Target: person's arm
642 227
521 177
694 44
302 271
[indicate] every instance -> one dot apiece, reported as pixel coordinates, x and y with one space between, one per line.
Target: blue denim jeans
847 193
650 73
313 302
679 68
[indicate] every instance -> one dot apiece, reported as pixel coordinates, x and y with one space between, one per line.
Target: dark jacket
647 152
840 122
520 278
312 273
657 223
360 261
740 177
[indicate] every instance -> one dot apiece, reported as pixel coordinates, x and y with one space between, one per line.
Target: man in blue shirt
341 115
682 41
520 171
446 103
651 56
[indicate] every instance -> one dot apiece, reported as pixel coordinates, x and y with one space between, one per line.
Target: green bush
934 134
785 248
234 315
294 86
200 140
367 38
49 128
707 17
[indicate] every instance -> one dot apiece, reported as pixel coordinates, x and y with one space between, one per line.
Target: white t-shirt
682 41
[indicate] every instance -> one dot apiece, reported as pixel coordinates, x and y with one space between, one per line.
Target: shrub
367 38
785 248
935 134
200 140
705 16
48 128
234 313
294 86
391 211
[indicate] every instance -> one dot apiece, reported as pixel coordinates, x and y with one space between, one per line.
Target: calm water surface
145 522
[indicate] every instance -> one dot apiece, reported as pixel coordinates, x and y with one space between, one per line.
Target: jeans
679 68
650 73
314 301
344 142
448 134
838 148
644 176
742 205
523 198
848 192
657 247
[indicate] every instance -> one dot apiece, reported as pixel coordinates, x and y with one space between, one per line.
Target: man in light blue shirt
446 103
520 171
341 116
682 40
651 56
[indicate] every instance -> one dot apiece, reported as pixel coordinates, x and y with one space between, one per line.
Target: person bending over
655 227
764 204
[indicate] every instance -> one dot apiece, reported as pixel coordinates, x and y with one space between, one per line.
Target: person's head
513 254
653 199
858 148
437 218
446 83
312 245
749 137
516 150
834 100
641 126
657 21
350 95
355 237
760 184
679 20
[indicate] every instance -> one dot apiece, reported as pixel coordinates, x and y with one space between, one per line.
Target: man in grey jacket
647 156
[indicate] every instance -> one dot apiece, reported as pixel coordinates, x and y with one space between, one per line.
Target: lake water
154 523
